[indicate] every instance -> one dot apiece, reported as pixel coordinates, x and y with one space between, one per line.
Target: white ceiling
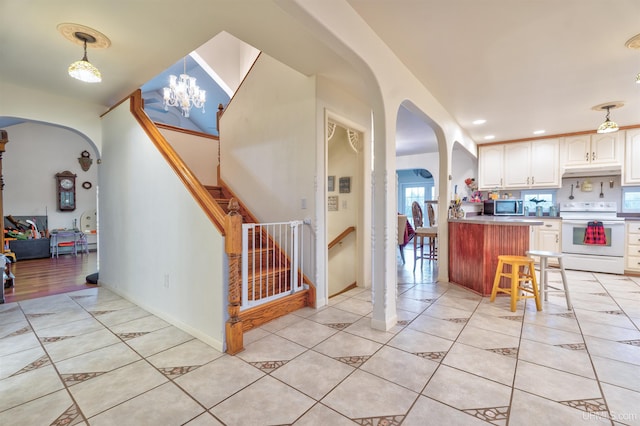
522 65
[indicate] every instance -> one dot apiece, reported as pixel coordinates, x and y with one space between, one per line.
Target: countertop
500 220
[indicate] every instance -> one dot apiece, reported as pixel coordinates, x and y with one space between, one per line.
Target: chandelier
183 92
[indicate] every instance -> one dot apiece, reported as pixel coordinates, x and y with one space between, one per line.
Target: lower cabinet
547 237
632 253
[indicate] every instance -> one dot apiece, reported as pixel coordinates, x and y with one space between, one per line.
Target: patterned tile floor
91 357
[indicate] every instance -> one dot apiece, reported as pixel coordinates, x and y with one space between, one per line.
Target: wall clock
66 190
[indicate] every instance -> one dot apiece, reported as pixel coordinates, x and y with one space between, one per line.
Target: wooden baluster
233 247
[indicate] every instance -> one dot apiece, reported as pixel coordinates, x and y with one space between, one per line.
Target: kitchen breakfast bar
476 242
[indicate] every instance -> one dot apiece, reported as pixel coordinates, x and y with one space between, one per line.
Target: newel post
233 247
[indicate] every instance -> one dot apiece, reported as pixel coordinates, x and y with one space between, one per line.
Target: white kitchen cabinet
547 236
490 167
593 150
517 162
631 172
632 252
545 163
534 164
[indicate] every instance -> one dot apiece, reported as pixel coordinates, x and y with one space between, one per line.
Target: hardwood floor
44 277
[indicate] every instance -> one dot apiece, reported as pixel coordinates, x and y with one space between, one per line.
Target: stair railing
272 261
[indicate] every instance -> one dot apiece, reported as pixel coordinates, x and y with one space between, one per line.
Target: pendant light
608 126
83 70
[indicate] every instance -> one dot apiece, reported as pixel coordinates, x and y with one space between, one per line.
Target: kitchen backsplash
611 189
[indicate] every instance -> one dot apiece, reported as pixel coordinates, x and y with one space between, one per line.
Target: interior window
631 199
544 198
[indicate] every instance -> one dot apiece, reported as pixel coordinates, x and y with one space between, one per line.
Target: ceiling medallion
69 31
634 43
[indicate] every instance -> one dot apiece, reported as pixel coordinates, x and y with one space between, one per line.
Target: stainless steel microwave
504 207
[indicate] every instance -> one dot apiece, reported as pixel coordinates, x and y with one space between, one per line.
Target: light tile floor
91 357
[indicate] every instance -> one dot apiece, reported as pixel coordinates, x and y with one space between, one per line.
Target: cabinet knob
587 157
593 156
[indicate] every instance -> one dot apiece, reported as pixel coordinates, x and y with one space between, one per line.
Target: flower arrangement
476 196
471 183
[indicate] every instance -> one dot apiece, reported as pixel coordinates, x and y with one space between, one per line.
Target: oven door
573 233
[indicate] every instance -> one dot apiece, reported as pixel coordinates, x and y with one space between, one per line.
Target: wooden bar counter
475 244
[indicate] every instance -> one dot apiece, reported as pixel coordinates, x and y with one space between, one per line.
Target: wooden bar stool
544 273
522 270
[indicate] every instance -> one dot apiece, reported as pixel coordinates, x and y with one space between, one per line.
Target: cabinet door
632 252
604 148
631 175
517 158
577 150
545 163
490 166
548 239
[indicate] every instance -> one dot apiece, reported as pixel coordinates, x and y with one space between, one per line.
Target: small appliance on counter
508 207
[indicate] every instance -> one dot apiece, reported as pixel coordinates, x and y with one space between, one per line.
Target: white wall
157 247
228 59
34 154
31 104
200 154
268 142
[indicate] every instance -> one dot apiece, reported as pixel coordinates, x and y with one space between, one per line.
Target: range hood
580 171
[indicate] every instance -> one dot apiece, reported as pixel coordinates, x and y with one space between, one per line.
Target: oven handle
586 222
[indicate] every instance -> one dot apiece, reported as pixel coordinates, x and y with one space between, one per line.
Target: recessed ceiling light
480 121
538 132
489 137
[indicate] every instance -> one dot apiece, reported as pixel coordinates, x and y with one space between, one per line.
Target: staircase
268 265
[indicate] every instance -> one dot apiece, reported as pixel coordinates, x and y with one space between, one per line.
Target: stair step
267 257
215 191
267 283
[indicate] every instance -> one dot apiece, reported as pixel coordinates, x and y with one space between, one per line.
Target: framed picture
332 203
331 183
345 185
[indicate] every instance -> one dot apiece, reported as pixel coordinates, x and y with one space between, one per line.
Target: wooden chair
421 232
402 228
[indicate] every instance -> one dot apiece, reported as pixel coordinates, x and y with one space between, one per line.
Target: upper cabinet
521 165
631 172
593 150
490 167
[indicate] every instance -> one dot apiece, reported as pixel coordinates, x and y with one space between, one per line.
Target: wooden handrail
213 211
341 237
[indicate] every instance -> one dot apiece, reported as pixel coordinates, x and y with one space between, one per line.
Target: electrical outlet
303 203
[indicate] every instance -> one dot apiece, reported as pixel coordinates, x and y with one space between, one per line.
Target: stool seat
545 288
522 271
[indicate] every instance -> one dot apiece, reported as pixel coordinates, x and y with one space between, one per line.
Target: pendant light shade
608 126
82 69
